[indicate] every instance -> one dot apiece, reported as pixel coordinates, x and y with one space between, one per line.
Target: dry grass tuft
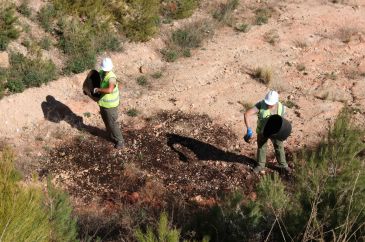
263 74
272 37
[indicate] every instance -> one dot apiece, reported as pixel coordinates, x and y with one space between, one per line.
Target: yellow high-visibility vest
110 100
264 114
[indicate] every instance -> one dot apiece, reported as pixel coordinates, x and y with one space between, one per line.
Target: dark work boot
119 145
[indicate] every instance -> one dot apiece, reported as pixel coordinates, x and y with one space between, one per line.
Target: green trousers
110 117
261 151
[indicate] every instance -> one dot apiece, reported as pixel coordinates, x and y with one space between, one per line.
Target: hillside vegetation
31 212
80 30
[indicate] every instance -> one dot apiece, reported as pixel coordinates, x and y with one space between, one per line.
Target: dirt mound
187 155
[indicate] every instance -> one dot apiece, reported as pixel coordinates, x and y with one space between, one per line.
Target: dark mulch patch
176 162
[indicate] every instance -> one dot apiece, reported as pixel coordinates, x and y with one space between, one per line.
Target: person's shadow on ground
55 111
204 151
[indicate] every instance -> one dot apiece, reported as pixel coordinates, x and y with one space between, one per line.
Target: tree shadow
204 151
56 111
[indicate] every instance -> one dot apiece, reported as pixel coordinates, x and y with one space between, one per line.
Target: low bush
25 72
8 26
3 76
45 43
46 16
170 55
290 104
272 37
132 112
188 37
178 9
81 41
78 44
142 80
27 213
24 8
64 226
163 232
263 74
141 20
242 27
157 75
331 186
230 221
262 16
224 13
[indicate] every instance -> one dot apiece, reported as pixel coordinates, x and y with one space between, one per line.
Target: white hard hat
107 64
271 98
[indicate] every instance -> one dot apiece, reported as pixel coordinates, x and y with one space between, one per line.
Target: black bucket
277 127
92 81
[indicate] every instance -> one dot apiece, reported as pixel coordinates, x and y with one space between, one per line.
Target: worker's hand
248 135
96 90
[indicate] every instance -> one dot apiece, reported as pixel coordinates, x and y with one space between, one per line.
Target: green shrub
45 43
64 226
192 35
242 27
157 75
8 29
141 22
26 214
46 16
188 37
262 16
3 76
22 216
111 42
230 221
224 13
170 55
290 104
24 9
26 72
178 9
81 41
78 44
132 112
138 19
186 53
331 186
26 42
163 232
142 80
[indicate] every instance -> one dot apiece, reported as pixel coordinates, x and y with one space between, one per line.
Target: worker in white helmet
263 109
109 101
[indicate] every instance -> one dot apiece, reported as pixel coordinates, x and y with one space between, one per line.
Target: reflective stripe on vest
110 100
264 114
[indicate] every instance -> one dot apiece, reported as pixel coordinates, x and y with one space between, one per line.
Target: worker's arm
109 89
252 111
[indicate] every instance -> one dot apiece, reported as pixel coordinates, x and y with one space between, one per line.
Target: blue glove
248 135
